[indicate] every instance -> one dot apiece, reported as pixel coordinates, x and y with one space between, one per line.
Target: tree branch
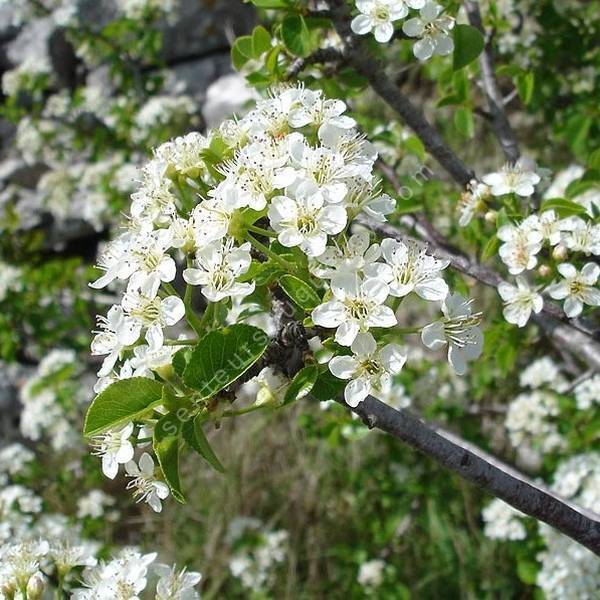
480 468
500 123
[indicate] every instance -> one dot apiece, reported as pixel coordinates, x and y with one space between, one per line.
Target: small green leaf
242 51
194 435
222 356
468 44
593 161
525 83
300 292
563 207
302 383
327 387
463 121
295 35
261 40
120 402
180 359
490 248
166 447
272 3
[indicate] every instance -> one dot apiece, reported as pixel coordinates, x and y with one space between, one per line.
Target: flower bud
544 270
8 589
559 252
490 216
36 586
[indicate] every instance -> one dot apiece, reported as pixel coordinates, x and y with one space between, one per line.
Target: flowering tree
322 242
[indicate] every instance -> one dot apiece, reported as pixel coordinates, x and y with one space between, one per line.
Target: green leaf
593 161
525 83
302 384
468 44
194 435
166 447
222 356
180 359
272 3
327 387
300 292
242 51
261 40
527 571
490 248
295 35
463 121
563 207
576 132
121 402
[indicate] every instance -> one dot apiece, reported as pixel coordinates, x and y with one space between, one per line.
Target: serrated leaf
222 356
295 35
166 448
121 402
468 44
195 437
563 207
300 292
302 384
261 40
525 83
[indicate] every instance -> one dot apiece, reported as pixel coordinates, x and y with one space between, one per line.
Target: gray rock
225 97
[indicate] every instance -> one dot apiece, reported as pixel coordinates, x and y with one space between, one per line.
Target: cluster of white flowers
523 242
587 393
164 112
14 459
260 551
570 571
432 27
371 573
503 522
297 164
26 77
9 279
136 9
52 403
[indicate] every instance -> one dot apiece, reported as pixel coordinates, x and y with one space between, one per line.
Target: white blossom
433 27
378 16
517 178
520 301
115 449
145 485
503 522
459 330
369 369
576 288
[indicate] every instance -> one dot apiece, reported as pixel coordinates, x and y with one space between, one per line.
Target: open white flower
210 220
520 301
459 330
115 449
357 306
409 268
301 218
218 267
581 236
577 288
116 332
517 178
351 255
378 16
521 244
370 370
176 585
434 30
472 201
152 313
144 483
549 226
313 109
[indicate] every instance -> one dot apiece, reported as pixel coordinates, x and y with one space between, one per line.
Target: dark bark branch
500 123
358 56
480 468
321 56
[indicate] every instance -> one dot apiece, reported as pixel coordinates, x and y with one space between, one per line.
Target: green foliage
222 356
302 384
468 45
196 438
120 402
166 442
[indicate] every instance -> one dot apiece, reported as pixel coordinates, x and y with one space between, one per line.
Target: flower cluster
295 173
541 235
432 27
503 522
